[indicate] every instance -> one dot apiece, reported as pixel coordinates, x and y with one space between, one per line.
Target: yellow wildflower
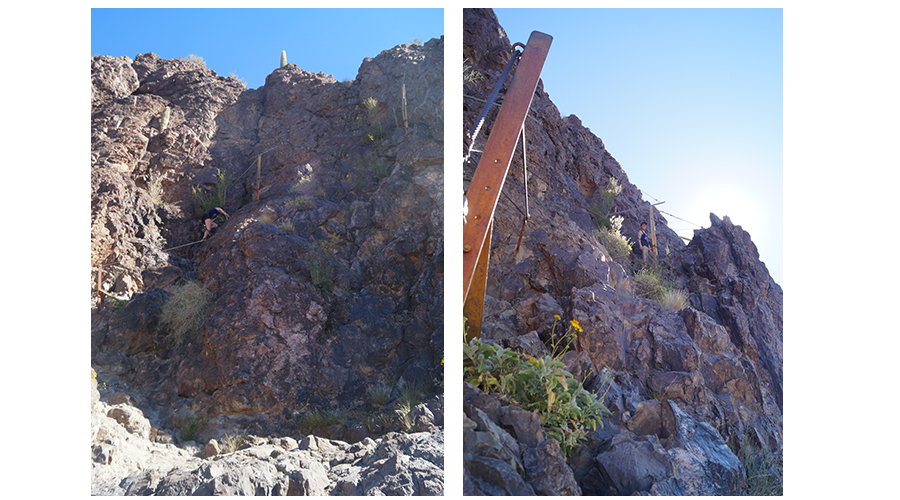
557 317
576 326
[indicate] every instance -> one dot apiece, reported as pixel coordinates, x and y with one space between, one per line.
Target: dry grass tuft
185 310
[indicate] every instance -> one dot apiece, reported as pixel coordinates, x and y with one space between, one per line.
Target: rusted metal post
405 126
258 165
490 175
99 297
473 309
652 233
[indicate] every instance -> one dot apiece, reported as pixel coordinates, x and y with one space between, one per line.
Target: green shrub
765 473
286 226
543 386
184 310
373 131
617 245
404 420
601 212
193 58
192 428
379 394
314 420
236 78
652 283
380 422
321 268
217 198
302 201
609 193
413 392
378 166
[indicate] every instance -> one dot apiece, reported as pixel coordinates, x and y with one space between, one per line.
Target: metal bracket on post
490 175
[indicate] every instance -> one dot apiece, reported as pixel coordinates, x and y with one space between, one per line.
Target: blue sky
689 101
248 42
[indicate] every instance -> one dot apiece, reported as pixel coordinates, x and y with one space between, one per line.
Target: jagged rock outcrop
683 383
662 450
499 464
329 284
130 457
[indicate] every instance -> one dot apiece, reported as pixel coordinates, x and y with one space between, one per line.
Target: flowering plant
542 385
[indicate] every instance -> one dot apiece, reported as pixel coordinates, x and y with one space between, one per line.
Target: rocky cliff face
331 283
690 387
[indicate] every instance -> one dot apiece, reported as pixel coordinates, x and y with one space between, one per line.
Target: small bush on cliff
379 394
195 423
617 245
470 74
543 386
321 268
403 418
184 310
674 299
193 58
316 419
236 78
765 475
154 187
232 442
218 198
378 166
374 132
609 227
652 283
607 203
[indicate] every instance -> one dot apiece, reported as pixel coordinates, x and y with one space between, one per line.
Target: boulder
510 454
126 462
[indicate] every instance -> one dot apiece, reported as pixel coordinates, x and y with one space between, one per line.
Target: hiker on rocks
644 240
209 219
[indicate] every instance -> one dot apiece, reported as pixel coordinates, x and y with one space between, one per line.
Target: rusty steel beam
473 308
490 175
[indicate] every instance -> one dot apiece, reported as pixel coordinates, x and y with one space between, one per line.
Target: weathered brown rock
277 342
142 174
718 360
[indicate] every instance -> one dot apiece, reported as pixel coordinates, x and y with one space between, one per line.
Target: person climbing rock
209 219
644 240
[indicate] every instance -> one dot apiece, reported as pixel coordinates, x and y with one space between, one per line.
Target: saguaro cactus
164 120
283 59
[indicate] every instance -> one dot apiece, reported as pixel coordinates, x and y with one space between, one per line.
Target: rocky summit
694 387
299 348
